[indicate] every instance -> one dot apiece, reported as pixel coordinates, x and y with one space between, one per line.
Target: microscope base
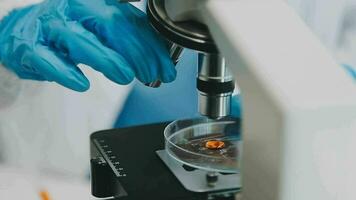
124 165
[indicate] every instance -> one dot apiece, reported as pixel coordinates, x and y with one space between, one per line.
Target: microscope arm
299 106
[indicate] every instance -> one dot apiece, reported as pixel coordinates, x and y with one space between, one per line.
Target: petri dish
211 145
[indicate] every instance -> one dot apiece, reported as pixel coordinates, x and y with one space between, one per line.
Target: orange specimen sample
44 194
214 144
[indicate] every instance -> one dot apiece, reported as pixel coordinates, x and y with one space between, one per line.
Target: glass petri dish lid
211 145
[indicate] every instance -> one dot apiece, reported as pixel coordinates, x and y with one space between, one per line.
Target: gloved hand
48 40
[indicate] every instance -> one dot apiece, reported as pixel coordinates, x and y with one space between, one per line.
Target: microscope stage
125 165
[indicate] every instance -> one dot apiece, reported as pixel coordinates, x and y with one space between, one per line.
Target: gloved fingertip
124 76
168 70
146 77
123 81
81 86
76 82
169 76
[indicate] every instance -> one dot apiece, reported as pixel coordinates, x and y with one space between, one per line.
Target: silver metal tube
212 67
215 85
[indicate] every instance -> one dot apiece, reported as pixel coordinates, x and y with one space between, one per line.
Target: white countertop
19 184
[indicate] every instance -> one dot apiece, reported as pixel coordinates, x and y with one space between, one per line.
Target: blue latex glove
47 41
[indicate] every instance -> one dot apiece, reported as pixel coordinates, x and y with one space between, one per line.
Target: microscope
299 113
